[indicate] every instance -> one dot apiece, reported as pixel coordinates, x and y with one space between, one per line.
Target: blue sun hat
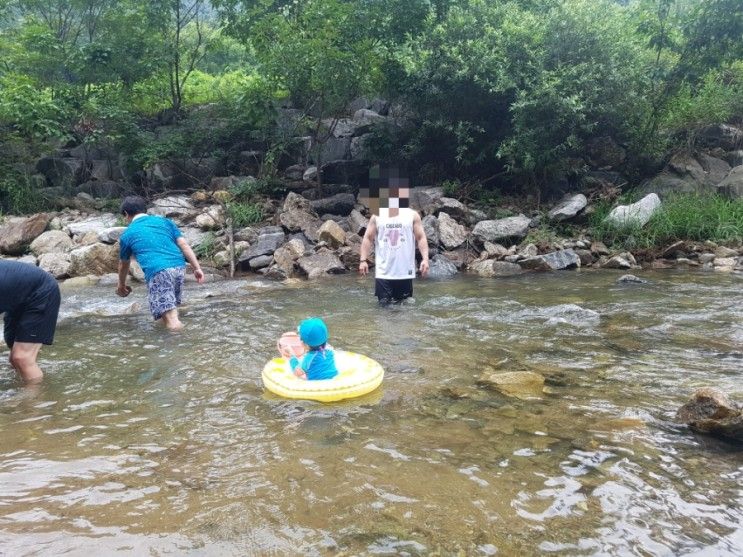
313 332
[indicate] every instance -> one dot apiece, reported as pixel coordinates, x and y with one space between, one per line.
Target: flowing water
146 442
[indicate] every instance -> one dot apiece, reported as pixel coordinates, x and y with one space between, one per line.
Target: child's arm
296 367
191 258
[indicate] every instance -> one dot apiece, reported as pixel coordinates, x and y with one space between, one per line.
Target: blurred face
388 191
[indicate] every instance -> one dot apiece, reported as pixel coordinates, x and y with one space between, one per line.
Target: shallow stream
154 443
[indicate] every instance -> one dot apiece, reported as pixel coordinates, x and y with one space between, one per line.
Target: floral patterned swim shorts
164 290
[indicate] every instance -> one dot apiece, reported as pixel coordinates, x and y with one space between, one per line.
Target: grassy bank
681 217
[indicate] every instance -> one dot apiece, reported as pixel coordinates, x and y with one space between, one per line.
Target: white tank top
394 253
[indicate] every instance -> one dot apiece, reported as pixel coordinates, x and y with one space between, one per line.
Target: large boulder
212 218
441 267
492 268
270 238
331 233
16 234
509 227
732 185
635 214
689 173
55 263
355 173
296 202
357 222
111 235
451 234
179 206
431 230
61 172
453 207
569 207
555 261
301 221
321 263
95 224
711 411
365 119
725 136
339 204
287 255
426 200
95 259
51 241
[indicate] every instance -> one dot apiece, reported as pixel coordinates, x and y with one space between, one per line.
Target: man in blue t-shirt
161 251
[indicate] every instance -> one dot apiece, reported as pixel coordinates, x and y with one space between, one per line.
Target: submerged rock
710 411
630 279
555 261
441 267
519 384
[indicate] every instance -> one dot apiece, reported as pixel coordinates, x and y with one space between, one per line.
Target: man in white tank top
395 233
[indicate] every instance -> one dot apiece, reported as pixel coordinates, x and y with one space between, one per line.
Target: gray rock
431 229
55 263
310 175
630 279
621 261
111 235
286 255
269 240
333 149
212 218
494 230
453 207
339 204
721 135
194 236
51 241
586 257
298 220
358 146
96 224
555 261
569 207
506 269
496 251
61 172
451 234
732 185
17 233
260 262
636 213
321 263
294 173
441 267
173 206
246 234
425 200
357 222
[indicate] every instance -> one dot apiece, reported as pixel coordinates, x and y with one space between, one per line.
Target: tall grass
695 217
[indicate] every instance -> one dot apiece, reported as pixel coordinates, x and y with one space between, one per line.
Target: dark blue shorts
36 319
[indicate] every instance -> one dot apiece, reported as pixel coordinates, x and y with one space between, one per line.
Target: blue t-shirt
317 364
152 241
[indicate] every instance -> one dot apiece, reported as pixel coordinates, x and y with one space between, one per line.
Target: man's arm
123 290
422 241
366 244
191 258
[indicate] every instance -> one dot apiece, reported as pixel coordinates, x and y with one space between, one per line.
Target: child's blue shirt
317 364
152 240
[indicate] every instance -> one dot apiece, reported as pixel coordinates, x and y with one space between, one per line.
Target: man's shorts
388 291
36 319
164 290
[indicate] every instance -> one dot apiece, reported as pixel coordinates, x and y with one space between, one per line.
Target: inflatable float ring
357 376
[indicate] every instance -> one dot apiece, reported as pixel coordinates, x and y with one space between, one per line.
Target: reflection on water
148 442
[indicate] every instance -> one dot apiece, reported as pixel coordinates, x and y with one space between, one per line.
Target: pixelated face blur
389 190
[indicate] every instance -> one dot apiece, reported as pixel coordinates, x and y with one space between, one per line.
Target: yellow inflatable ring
357 375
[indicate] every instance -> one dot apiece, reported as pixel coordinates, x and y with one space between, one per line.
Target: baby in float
309 354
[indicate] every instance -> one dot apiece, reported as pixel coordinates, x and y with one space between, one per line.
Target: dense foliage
512 89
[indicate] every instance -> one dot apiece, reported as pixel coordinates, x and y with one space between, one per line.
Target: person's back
20 282
152 240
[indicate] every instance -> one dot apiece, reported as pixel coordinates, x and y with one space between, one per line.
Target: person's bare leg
171 321
23 359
